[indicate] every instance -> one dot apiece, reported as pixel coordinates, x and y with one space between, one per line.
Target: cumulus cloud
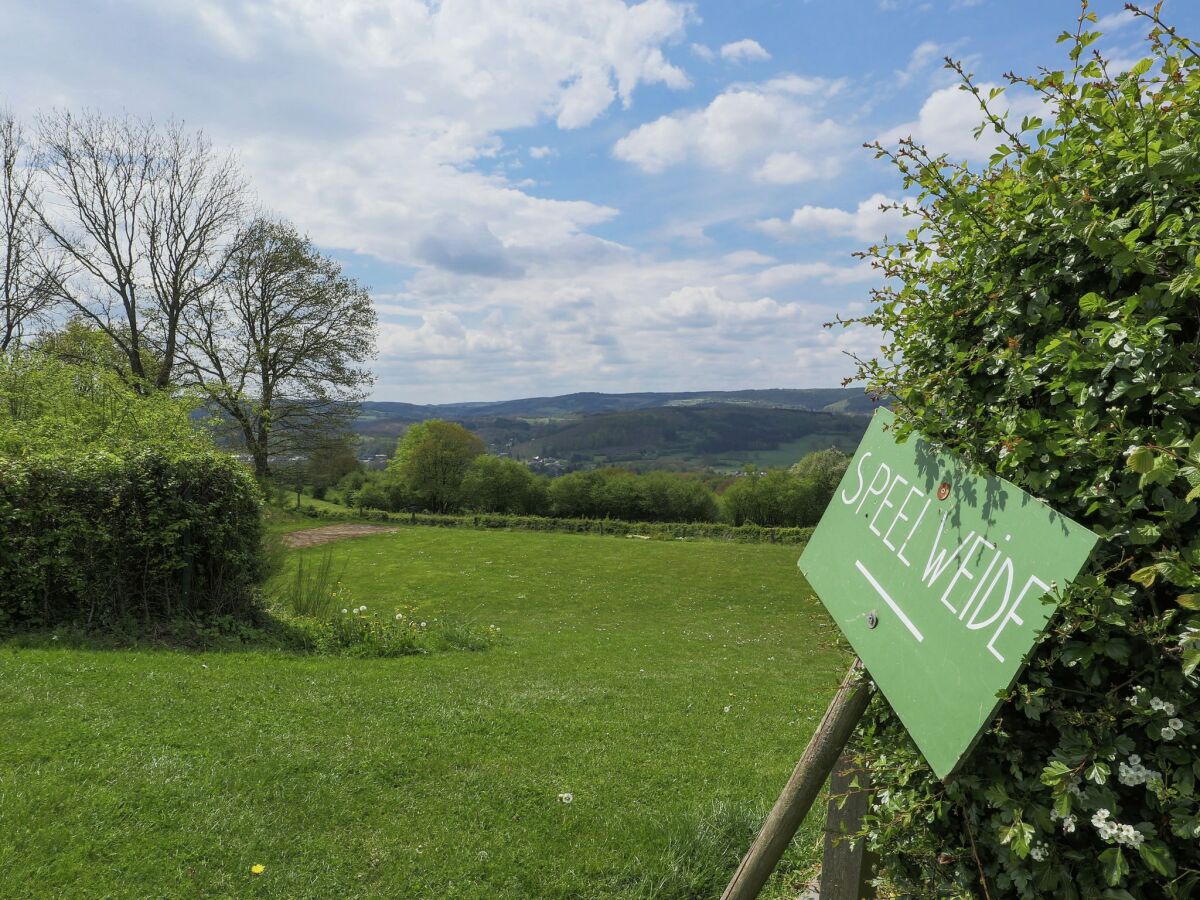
867 222
775 277
466 247
380 128
949 116
745 50
703 306
703 51
924 53
782 138
1115 21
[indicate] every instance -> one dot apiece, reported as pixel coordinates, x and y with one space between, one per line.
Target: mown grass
667 686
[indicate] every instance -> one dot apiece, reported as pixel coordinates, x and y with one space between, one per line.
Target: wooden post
845 869
826 745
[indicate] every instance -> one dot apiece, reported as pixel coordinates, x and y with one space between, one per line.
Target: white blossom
1176 724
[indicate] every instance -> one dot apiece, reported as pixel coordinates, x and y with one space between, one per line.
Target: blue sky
548 196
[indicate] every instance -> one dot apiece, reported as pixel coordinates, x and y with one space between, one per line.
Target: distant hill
828 399
686 429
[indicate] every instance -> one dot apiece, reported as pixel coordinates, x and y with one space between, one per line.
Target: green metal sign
941 580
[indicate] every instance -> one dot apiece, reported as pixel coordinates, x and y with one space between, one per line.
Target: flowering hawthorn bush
1042 317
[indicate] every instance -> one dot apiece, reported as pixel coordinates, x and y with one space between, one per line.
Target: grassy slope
133 774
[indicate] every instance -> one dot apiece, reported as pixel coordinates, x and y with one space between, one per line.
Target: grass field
667 686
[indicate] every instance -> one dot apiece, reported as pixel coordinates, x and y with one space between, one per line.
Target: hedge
745 534
1041 320
94 537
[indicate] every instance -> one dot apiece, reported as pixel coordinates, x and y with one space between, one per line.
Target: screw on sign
943 490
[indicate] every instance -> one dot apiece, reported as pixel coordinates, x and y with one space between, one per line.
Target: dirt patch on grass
311 537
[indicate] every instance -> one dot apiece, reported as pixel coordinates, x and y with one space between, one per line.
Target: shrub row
94 537
746 534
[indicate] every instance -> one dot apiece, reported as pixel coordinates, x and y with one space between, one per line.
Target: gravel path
311 537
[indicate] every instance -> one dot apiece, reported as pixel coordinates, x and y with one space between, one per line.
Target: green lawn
668 686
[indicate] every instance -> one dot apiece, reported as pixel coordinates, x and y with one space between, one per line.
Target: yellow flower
258 868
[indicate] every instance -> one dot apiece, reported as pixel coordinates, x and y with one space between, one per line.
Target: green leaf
1141 67
1144 534
1157 857
1020 835
1114 866
1091 302
1145 576
1191 660
1189 601
1141 460
1055 772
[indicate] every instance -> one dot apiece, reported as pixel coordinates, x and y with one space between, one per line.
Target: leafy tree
573 496
825 466
431 460
330 462
497 485
279 347
1041 319
48 405
775 499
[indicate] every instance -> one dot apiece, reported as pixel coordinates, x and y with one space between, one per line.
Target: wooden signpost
942 581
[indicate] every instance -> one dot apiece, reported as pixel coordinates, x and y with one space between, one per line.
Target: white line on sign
889 601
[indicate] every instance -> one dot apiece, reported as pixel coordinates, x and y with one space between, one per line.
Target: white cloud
745 50
949 116
380 128
764 127
1115 21
703 51
787 168
866 222
924 53
501 64
775 277
695 306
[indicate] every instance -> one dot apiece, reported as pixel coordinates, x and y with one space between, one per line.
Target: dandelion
727 709
566 797
258 868
345 612
399 616
422 624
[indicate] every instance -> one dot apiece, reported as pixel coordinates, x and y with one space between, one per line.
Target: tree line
442 467
136 248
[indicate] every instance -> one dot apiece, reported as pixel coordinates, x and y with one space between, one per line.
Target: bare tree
142 214
280 347
26 285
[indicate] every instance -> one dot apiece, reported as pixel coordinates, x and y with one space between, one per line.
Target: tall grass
313 590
